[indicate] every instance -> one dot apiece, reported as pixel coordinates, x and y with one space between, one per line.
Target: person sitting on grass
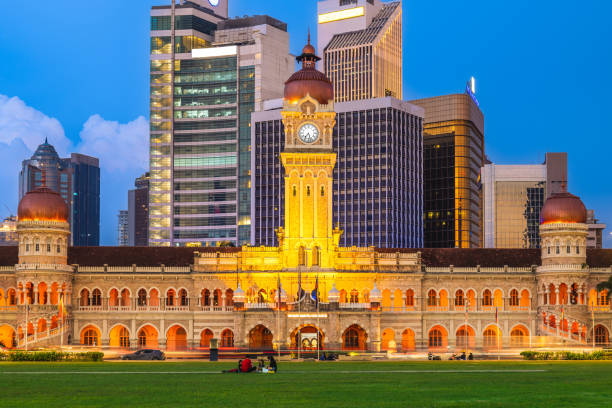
272 366
247 366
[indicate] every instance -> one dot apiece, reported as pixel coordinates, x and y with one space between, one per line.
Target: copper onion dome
563 207
309 81
43 204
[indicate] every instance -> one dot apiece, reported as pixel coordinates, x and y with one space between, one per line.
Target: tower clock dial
308 133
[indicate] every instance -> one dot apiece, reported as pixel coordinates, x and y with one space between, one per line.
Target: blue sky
80 72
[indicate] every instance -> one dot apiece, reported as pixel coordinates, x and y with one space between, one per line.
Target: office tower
208 73
378 177
595 233
453 138
123 228
138 212
77 180
8 231
361 43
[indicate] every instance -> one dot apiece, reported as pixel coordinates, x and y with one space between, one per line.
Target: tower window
48 247
558 250
548 250
37 247
322 191
577 249
294 191
308 191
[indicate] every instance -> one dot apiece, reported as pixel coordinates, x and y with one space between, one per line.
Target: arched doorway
7 336
227 338
260 338
602 336
205 337
437 338
354 338
491 337
176 338
466 337
90 336
408 343
119 336
388 340
519 336
148 337
308 337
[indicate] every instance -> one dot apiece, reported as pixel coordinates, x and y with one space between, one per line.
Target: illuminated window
514 297
227 338
90 338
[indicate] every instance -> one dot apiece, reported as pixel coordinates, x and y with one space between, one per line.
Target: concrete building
361 42
453 139
138 212
378 179
208 74
309 293
77 179
8 231
513 196
596 229
123 228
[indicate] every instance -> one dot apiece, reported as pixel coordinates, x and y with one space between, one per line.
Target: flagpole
498 336
467 305
278 317
318 329
27 324
593 318
299 333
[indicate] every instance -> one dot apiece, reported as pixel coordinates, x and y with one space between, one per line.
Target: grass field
338 384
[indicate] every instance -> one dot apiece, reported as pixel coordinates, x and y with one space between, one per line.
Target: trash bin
214 349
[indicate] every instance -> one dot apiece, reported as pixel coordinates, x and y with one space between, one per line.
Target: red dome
43 204
564 208
309 81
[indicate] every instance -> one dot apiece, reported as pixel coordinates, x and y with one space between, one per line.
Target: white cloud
120 147
21 122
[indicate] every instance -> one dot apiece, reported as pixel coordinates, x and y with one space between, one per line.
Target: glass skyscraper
208 74
378 177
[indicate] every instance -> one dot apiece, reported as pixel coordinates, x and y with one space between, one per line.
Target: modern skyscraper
8 231
361 43
378 179
122 228
208 73
453 138
138 212
77 180
513 197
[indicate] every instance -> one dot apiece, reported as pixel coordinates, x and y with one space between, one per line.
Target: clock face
214 3
308 133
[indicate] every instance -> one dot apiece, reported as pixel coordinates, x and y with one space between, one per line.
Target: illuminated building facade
208 73
8 231
76 179
453 139
308 293
513 197
378 179
362 43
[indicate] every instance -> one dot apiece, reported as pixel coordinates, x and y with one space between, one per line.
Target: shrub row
565 355
51 356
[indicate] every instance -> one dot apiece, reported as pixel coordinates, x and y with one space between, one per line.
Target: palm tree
607 285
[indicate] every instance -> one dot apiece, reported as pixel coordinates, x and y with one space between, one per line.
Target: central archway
354 338
119 337
7 336
176 339
309 337
260 338
148 337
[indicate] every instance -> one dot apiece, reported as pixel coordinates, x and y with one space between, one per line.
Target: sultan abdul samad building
370 298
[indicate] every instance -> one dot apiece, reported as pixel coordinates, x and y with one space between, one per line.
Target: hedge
51 356
565 355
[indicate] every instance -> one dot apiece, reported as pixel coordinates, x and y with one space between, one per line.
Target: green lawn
341 384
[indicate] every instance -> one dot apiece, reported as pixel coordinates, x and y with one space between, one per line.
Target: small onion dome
333 295
309 81
563 208
239 295
43 204
375 294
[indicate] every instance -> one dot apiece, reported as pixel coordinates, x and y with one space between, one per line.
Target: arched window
205 337
90 337
85 298
602 337
183 297
217 297
27 245
603 298
354 296
431 298
410 297
490 337
351 338
459 299
316 261
49 245
486 298
142 297
227 338
519 337
37 245
171 297
569 247
124 338
514 297
436 338
12 297
308 191
229 297
142 338
301 256
125 297
96 298
322 191
206 297
59 246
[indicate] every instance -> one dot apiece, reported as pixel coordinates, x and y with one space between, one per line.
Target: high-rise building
596 229
208 74
76 179
361 43
138 212
378 179
513 197
8 231
453 139
122 228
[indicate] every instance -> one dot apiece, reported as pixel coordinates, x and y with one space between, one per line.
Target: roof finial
308 35
46 142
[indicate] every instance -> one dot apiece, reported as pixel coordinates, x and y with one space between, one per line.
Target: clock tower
308 239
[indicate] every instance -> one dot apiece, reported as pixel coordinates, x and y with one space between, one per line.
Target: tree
607 285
